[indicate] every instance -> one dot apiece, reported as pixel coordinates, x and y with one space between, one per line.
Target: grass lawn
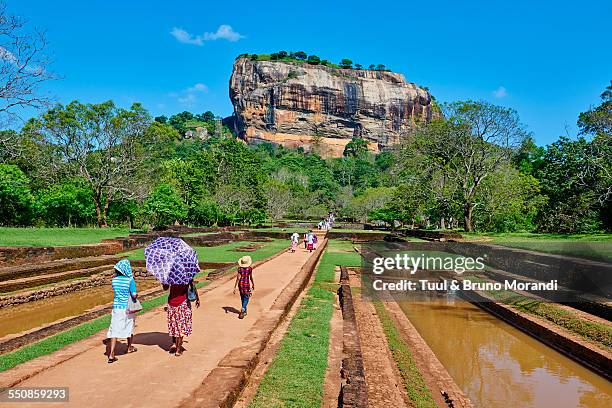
597 247
200 234
227 252
288 230
295 377
58 236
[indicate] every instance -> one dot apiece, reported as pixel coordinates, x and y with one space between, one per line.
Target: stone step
54 267
33 281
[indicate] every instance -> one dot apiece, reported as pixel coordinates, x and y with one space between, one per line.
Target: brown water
27 316
497 365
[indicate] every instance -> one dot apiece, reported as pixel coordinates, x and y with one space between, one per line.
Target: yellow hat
245 261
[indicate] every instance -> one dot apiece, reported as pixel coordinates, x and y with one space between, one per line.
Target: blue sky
549 60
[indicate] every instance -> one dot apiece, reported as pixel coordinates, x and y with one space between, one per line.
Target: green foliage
164 206
598 121
313 60
16 201
67 204
355 147
346 63
301 55
572 188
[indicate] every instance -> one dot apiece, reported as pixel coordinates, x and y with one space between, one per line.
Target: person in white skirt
122 322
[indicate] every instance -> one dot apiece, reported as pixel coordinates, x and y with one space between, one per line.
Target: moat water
497 365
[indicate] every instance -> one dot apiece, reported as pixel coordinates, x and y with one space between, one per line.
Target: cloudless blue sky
552 58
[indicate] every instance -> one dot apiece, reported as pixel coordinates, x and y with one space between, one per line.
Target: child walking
244 283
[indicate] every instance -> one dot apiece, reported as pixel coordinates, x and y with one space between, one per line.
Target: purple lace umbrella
171 261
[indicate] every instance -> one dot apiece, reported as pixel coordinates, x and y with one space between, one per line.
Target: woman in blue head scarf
122 322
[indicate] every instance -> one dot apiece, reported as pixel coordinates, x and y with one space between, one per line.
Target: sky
549 60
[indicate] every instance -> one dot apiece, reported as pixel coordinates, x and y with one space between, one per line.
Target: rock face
321 108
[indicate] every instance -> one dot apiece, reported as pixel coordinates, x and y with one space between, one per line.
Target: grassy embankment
596 333
415 386
63 339
58 236
597 247
296 375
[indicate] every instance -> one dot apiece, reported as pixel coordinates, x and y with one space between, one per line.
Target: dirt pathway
385 386
152 376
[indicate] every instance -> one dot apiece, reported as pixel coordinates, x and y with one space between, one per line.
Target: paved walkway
153 377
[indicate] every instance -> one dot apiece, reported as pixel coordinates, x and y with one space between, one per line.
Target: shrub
16 201
164 206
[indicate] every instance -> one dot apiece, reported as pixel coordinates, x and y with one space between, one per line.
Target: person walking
315 240
310 241
244 283
122 321
179 314
295 237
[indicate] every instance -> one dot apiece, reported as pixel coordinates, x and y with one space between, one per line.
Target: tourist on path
122 322
310 241
315 240
295 237
180 320
245 283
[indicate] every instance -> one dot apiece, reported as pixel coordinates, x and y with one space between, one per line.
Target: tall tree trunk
442 223
99 213
106 206
467 216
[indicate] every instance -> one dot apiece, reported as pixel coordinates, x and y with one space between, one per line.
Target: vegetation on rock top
302 57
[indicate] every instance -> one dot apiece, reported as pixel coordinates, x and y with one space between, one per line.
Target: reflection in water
497 365
27 316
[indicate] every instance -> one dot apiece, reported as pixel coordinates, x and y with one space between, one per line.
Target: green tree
508 202
301 55
179 120
346 63
16 201
569 180
355 147
598 120
314 60
475 140
102 144
67 204
278 198
164 206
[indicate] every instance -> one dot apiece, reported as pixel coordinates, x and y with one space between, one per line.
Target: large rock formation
322 108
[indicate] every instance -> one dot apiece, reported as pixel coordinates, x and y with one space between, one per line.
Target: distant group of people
328 222
178 308
310 240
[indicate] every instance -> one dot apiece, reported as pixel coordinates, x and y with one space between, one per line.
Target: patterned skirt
179 320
